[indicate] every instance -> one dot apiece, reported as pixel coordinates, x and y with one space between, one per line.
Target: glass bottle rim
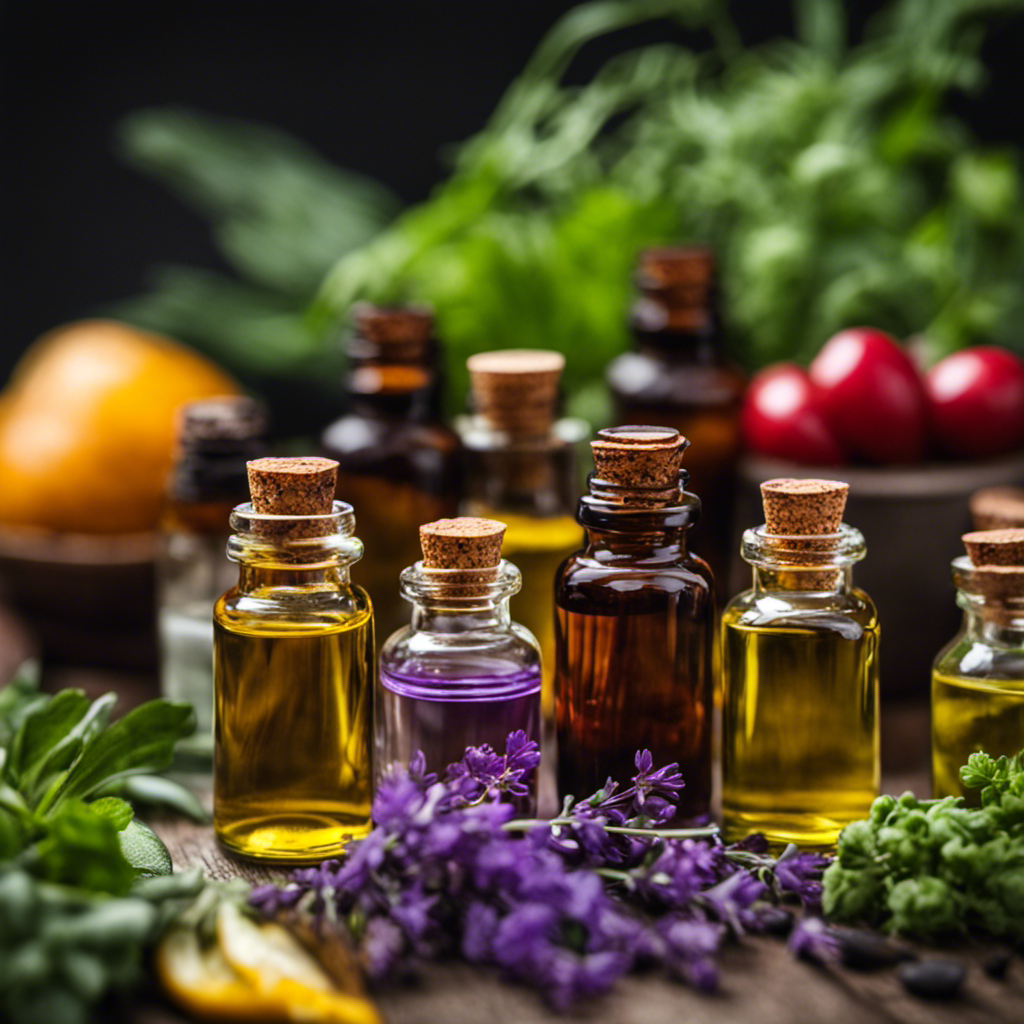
462 588
795 552
975 589
309 541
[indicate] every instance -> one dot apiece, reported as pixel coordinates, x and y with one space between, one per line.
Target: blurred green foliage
831 178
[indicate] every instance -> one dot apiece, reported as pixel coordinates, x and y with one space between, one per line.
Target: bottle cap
800 508
293 487
686 269
393 325
466 542
995 547
997 508
516 390
641 458
221 418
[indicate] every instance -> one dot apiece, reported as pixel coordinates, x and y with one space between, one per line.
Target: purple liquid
443 709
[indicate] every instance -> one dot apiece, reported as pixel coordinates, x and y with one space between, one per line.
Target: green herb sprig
936 868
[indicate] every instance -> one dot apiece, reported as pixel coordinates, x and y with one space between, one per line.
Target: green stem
523 824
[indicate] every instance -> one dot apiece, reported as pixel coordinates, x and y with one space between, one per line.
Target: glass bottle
522 467
216 437
634 625
462 673
679 377
978 678
293 673
398 463
800 738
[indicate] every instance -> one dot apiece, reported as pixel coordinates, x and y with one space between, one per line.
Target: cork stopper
995 547
292 487
997 508
800 508
403 326
221 418
516 390
640 459
463 543
686 269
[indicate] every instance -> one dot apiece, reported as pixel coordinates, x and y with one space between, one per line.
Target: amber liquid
293 720
389 514
972 714
800 746
634 673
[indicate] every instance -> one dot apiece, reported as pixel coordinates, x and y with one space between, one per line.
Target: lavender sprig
568 905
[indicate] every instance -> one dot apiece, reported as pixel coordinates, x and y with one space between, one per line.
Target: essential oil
293 672
399 464
800 739
679 376
216 437
634 625
461 673
978 678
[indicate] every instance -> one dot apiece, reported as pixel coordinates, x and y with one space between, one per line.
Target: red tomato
976 402
782 417
871 396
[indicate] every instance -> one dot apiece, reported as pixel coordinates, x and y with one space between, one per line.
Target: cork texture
676 267
292 487
995 547
467 542
221 418
997 508
801 508
401 326
516 390
639 457
999 583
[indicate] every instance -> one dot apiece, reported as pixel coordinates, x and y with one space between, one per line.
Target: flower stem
705 832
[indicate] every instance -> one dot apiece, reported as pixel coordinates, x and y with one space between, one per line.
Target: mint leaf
157 791
117 811
141 742
44 729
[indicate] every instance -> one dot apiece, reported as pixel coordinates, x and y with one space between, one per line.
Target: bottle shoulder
793 609
468 652
296 610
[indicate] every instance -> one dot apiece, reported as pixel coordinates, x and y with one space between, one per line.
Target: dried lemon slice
277 967
204 983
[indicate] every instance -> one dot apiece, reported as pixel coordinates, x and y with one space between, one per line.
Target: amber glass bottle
679 377
293 673
399 465
634 625
216 437
522 467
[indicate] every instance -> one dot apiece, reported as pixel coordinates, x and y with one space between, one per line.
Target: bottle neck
437 617
630 531
255 578
394 381
825 582
460 600
805 564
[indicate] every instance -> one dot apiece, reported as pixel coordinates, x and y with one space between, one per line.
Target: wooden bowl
912 518
89 600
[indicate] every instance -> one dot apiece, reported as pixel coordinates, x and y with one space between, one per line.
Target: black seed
866 951
997 965
776 920
933 979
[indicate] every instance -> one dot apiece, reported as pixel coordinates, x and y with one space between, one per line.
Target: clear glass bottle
293 672
399 464
978 678
635 625
800 737
679 376
462 673
216 437
522 466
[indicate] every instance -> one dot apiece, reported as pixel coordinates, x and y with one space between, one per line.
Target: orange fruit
87 426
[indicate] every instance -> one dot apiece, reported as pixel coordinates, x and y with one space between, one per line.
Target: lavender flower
568 906
811 939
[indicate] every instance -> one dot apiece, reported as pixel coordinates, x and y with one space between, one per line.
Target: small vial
800 739
978 678
216 437
293 673
462 673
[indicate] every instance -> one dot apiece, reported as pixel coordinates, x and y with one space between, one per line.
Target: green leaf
821 25
157 791
45 729
144 850
117 811
141 742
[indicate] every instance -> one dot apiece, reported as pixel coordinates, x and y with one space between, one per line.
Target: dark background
379 87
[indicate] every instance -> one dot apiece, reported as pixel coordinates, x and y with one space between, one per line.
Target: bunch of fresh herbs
937 868
568 905
80 887
829 174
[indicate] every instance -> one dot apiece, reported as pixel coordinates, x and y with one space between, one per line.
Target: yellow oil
968 715
293 720
800 741
537 546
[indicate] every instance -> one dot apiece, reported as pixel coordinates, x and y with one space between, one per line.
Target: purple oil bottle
462 673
